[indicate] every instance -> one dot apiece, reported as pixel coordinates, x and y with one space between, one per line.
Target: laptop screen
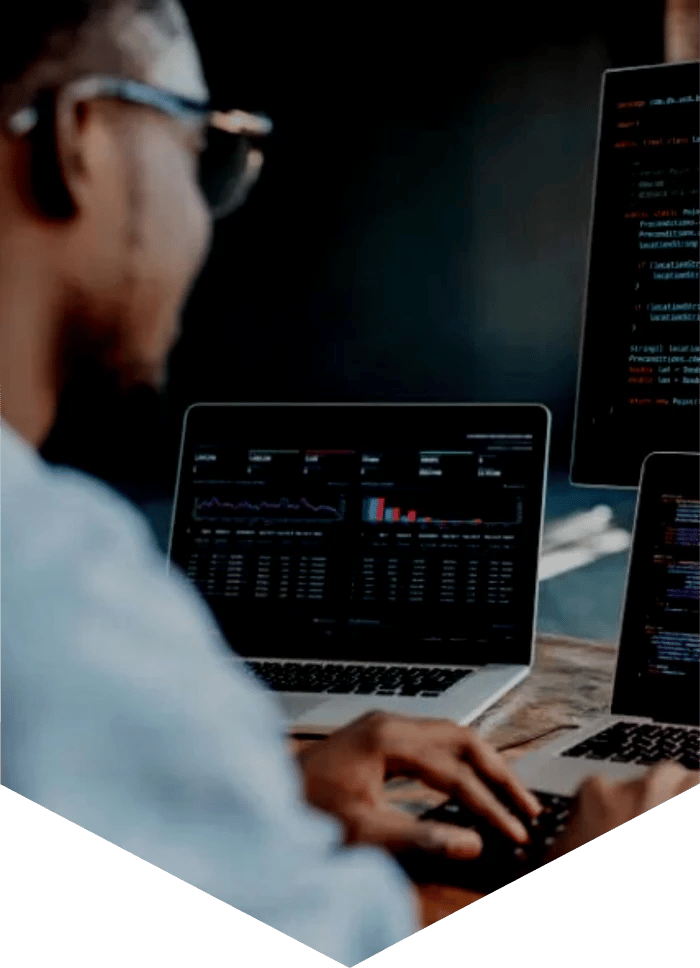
638 378
399 532
658 672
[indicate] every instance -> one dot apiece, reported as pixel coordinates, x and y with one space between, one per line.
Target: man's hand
603 805
345 775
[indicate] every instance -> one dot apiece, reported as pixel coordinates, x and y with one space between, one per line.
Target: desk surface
571 683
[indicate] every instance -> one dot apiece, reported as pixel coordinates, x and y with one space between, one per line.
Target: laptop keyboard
643 743
501 860
379 680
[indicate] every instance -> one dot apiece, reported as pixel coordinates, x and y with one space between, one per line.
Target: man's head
103 227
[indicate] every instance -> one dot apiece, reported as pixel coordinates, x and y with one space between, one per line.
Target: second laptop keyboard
642 743
377 680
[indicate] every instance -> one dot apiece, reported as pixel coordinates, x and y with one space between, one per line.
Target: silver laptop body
341 542
656 678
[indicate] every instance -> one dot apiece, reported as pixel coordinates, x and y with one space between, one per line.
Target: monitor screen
659 671
638 377
388 533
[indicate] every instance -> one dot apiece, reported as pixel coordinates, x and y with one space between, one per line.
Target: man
122 711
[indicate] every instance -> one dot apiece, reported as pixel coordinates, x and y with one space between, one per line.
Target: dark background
419 230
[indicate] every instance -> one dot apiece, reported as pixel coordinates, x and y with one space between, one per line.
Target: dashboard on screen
638 377
364 531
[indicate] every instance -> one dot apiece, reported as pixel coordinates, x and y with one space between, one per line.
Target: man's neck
28 344
31 423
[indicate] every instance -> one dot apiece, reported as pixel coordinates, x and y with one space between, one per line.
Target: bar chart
377 510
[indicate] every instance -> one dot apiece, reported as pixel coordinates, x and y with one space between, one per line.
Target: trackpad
295 708
564 775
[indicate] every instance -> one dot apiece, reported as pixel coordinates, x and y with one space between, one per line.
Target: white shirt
125 712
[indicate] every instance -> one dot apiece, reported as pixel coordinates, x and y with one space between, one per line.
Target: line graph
284 509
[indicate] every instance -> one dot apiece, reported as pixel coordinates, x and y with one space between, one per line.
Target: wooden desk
571 683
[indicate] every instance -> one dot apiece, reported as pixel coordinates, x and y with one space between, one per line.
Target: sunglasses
223 159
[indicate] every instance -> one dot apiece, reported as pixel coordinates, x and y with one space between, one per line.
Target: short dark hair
49 41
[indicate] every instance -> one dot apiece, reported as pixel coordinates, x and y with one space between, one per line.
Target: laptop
655 708
638 382
367 556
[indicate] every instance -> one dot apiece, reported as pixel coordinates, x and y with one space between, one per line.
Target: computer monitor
638 377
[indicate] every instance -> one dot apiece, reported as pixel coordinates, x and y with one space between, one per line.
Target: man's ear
50 186
65 156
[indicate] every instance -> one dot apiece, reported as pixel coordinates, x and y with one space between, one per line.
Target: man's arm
345 775
125 713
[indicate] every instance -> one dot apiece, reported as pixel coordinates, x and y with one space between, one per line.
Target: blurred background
419 230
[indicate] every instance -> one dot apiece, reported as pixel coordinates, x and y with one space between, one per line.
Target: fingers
434 750
495 769
400 833
690 781
458 843
489 763
603 804
663 781
444 773
634 797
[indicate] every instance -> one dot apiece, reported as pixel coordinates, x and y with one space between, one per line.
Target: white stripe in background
561 560
576 527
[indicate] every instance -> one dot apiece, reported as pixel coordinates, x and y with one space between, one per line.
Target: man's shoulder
73 547
62 514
